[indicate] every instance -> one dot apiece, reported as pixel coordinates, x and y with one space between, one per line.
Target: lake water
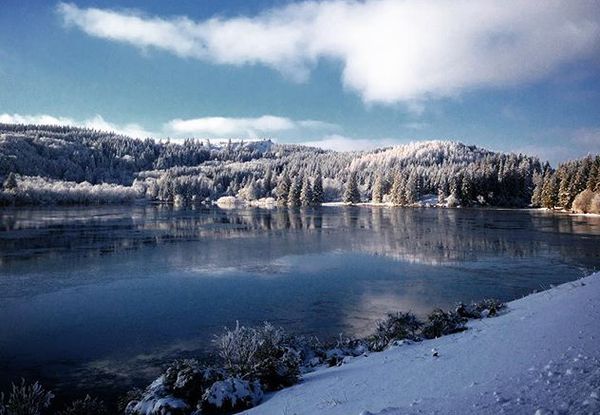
101 298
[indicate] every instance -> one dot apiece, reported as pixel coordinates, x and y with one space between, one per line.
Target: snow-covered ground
541 356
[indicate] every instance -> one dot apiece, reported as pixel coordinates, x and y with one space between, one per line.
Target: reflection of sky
145 285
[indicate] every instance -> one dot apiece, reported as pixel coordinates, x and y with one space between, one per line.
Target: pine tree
283 189
466 190
294 194
352 194
593 175
412 191
306 196
443 190
267 182
397 191
550 190
581 177
564 188
377 194
596 187
317 192
250 191
538 183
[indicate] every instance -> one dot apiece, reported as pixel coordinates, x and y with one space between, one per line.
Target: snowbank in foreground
541 356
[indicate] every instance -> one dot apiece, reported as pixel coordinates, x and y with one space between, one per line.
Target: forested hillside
575 185
46 164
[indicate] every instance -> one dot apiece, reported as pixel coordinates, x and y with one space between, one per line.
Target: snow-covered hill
195 171
540 357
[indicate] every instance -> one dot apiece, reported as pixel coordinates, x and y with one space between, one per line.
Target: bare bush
440 323
188 379
488 307
25 399
396 326
86 406
262 353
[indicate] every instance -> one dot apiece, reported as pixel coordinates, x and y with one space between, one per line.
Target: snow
233 393
232 202
539 356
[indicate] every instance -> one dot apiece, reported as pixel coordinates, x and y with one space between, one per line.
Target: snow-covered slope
541 356
426 153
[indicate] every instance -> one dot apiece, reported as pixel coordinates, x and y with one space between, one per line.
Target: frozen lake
103 297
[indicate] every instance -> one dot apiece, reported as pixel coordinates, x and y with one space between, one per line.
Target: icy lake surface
103 297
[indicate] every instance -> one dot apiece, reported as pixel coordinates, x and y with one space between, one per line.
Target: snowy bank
541 356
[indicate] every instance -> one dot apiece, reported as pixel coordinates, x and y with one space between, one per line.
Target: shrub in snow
488 307
484 308
466 311
264 353
440 323
232 394
396 326
309 349
343 348
187 379
181 387
170 406
25 399
157 400
135 394
87 406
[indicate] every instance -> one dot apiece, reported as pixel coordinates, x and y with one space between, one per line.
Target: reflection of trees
422 235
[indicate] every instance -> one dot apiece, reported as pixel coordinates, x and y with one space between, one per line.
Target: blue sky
511 76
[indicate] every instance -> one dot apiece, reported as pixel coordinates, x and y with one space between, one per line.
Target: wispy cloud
224 127
205 127
97 123
391 51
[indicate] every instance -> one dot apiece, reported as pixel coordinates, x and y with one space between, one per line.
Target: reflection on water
111 293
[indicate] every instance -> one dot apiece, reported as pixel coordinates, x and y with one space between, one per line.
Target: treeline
575 185
78 155
43 164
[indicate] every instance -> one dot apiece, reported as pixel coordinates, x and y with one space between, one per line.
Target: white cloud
390 50
210 127
341 143
223 127
34 119
96 123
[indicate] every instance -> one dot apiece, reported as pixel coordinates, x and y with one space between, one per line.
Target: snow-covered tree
295 191
306 195
412 188
538 182
268 182
199 170
398 194
250 191
283 189
550 191
317 192
377 193
352 194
